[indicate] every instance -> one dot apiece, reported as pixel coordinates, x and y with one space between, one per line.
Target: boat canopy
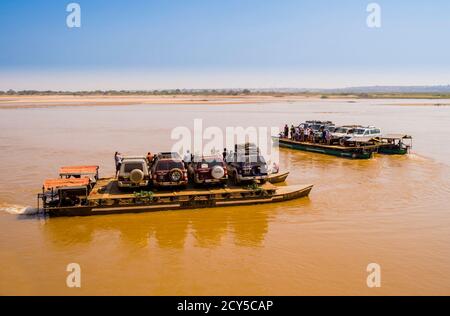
78 170
66 183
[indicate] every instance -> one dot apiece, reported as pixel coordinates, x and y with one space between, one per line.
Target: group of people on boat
307 134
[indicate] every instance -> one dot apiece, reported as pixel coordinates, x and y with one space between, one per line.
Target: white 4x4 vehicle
133 173
344 131
370 131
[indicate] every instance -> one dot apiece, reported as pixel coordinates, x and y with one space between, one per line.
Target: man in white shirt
187 158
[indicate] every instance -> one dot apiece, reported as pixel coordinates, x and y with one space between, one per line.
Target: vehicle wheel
263 181
176 175
236 179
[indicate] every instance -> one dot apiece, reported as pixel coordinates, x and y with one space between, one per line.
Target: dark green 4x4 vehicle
246 164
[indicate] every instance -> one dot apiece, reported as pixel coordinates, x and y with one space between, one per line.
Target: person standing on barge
150 157
328 137
302 134
118 162
324 135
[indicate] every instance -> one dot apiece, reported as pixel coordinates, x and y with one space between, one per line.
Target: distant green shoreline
231 93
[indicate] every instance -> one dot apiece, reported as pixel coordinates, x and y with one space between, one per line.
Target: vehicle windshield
169 165
251 159
315 127
130 166
209 164
168 155
342 130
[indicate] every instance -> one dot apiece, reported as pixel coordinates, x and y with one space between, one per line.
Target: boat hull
387 150
365 152
170 201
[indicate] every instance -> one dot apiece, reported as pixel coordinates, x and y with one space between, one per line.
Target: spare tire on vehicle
176 175
217 172
136 176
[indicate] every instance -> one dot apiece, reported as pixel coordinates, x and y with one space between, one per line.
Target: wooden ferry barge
361 150
73 195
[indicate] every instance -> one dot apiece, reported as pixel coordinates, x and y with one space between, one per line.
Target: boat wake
415 156
18 209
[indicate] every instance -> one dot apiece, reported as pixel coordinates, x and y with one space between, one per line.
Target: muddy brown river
393 211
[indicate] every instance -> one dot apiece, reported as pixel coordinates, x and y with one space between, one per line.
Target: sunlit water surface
394 211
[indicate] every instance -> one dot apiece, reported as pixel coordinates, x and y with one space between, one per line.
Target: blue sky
157 44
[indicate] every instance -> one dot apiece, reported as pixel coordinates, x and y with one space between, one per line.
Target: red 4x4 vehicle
168 170
208 170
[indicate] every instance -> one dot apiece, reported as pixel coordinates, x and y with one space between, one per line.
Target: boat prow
292 192
278 177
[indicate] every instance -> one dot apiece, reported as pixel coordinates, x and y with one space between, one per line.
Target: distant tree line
231 92
224 92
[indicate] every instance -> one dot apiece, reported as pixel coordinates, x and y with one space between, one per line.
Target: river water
393 211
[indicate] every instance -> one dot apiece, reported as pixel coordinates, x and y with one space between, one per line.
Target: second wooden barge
361 150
